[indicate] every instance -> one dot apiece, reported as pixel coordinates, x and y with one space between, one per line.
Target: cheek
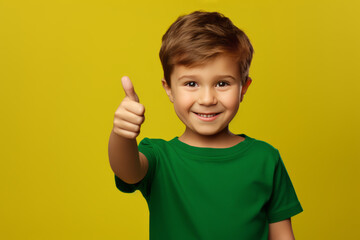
231 100
183 102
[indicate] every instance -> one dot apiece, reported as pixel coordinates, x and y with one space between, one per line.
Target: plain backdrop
61 63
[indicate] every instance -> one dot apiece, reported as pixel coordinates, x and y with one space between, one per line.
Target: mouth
207 115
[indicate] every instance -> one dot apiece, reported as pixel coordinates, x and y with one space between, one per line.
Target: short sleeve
283 202
146 147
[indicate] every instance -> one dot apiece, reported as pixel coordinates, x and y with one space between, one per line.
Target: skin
125 159
214 88
281 230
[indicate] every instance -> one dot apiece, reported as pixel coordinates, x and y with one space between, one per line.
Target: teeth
207 116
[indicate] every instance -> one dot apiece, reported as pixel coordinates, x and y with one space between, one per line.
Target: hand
130 114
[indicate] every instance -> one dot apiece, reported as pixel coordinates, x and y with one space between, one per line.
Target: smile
207 116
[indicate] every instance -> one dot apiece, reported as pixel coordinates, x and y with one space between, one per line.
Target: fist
130 114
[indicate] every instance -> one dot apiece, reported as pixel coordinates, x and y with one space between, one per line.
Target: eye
191 84
222 84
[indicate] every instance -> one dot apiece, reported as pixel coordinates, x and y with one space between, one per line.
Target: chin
209 132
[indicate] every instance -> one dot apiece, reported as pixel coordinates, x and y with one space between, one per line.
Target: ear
245 88
167 89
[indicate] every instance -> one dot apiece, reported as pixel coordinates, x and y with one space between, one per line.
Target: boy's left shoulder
263 147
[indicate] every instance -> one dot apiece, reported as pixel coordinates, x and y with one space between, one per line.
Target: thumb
129 88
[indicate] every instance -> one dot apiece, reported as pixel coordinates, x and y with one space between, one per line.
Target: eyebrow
217 76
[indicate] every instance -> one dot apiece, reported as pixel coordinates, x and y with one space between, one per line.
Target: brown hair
198 37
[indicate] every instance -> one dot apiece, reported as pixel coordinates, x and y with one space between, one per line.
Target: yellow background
60 68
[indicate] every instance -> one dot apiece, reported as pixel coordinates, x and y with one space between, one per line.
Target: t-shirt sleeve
147 148
283 202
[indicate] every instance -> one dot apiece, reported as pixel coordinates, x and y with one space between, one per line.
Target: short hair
199 37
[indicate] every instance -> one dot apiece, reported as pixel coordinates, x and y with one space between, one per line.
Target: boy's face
206 98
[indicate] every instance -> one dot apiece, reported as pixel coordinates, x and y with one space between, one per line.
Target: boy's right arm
125 159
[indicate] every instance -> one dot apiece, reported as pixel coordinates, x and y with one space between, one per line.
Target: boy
208 183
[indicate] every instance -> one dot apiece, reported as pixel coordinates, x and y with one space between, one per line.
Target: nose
207 97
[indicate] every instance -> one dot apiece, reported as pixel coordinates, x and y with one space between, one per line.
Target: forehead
222 65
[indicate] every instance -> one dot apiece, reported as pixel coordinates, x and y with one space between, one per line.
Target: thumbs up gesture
130 114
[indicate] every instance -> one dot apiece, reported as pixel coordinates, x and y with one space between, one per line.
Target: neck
222 139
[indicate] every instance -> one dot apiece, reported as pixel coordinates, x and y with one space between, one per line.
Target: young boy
208 183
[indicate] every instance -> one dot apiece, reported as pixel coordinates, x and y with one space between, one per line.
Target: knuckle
116 130
142 119
117 124
141 108
125 134
123 104
137 128
133 135
118 117
118 113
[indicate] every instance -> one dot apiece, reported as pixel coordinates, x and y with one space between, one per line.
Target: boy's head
197 38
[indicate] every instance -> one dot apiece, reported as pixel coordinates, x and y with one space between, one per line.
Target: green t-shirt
214 193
